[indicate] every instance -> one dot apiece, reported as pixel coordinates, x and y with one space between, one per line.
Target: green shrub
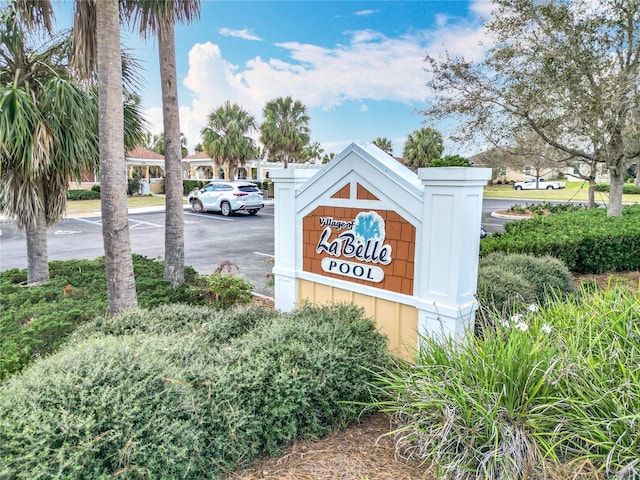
228 288
450 161
95 188
587 241
189 185
183 404
213 325
36 320
512 279
626 189
83 194
542 395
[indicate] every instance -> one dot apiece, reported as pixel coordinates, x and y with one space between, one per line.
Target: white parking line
140 222
264 254
214 217
99 222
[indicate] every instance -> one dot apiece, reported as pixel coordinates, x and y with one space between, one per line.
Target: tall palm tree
159 17
384 144
43 144
227 137
285 129
422 146
121 285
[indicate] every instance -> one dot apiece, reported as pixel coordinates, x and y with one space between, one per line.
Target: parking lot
210 239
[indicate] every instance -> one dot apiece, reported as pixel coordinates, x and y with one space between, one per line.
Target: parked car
543 184
227 198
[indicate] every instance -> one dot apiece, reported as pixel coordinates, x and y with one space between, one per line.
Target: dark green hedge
587 241
174 398
83 195
189 185
626 188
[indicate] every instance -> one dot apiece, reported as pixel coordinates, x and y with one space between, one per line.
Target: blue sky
357 66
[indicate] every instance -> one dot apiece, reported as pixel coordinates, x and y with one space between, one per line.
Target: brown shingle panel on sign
344 192
364 194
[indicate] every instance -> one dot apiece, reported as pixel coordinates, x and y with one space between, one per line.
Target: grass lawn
134 201
576 191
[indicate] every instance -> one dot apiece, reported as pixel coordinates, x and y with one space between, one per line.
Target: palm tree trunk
37 249
174 210
121 286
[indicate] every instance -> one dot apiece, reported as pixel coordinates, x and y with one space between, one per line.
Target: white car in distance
227 198
542 184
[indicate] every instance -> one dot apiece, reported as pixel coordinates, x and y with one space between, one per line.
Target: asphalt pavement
210 239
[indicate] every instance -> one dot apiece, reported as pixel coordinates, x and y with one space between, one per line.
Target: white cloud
364 13
244 34
370 67
364 108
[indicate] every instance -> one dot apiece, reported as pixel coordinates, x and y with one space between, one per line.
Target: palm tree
422 146
159 18
226 138
312 152
384 144
285 129
121 287
43 144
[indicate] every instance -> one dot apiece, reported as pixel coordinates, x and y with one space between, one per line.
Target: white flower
546 328
522 326
516 318
505 324
533 307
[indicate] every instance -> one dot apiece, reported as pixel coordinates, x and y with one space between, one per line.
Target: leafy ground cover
36 320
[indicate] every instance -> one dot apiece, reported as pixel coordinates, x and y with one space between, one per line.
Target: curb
509 217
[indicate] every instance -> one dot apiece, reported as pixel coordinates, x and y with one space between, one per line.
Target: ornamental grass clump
549 392
475 409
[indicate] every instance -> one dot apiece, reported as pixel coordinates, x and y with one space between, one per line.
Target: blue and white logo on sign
362 239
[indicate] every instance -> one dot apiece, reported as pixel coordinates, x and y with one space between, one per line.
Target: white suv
227 198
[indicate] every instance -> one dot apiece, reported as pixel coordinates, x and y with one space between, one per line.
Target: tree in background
567 70
312 152
384 144
422 146
285 129
227 137
327 157
450 161
158 18
155 143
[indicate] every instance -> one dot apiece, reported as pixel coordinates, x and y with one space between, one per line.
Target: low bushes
551 393
626 188
36 320
189 185
507 281
587 241
186 392
83 194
